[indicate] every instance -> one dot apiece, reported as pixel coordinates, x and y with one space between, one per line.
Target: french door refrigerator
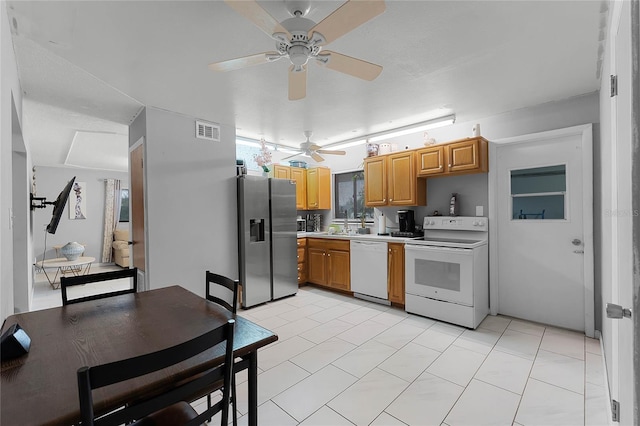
267 240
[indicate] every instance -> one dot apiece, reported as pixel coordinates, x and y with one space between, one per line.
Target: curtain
111 216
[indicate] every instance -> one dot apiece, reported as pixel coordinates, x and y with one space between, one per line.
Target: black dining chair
223 291
169 407
66 282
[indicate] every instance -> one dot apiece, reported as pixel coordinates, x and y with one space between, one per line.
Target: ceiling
90 66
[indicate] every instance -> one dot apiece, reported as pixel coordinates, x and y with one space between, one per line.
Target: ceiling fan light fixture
299 55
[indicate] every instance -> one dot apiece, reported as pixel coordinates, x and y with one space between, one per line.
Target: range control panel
460 223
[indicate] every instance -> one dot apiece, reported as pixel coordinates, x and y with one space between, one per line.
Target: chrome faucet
346 223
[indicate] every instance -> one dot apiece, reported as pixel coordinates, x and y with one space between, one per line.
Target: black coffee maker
406 221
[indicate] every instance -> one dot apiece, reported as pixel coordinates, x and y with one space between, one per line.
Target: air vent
208 131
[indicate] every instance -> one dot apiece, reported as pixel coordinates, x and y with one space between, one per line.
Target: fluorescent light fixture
347 144
415 128
247 143
287 150
393 133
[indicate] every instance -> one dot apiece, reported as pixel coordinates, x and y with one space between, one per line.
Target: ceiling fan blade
314 147
245 61
297 83
348 65
316 157
291 156
347 17
331 151
251 10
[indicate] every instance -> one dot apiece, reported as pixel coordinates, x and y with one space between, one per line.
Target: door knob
616 311
576 242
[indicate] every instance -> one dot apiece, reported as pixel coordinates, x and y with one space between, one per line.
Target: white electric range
447 271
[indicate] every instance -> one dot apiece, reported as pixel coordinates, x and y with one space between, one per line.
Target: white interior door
544 233
620 217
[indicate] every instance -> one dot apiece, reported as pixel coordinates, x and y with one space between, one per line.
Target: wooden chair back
91 378
229 288
66 282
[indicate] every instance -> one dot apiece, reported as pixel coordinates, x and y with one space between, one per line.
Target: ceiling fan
300 39
312 150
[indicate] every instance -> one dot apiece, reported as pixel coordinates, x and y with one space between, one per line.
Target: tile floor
345 361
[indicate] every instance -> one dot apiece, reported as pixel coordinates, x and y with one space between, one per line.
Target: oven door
442 273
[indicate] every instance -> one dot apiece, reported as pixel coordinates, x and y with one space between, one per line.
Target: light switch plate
479 211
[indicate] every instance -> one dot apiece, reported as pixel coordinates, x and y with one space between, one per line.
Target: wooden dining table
41 387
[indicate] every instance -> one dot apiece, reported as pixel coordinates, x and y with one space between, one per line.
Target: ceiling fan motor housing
298 7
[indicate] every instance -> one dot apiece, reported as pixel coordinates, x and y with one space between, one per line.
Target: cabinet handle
441 166
390 200
449 165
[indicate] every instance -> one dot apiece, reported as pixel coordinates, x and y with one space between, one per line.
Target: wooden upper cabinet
431 160
299 175
281 172
403 186
468 156
375 181
319 188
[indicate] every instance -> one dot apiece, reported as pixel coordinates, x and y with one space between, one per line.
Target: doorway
20 201
542 256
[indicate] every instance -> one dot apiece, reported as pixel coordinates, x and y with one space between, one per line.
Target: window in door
539 193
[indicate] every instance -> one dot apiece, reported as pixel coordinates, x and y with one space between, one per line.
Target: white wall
9 87
89 231
473 189
191 201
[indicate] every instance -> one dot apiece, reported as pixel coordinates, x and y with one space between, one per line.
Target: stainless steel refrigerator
267 239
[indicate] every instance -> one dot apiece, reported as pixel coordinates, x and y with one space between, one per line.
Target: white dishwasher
369 269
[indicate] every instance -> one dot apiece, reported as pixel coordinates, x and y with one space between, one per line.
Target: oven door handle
435 248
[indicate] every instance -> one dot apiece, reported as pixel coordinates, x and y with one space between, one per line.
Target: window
349 196
124 205
538 193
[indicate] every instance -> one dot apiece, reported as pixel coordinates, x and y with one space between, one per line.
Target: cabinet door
464 156
281 172
300 176
316 266
339 269
312 189
319 188
396 273
430 160
375 181
324 188
404 188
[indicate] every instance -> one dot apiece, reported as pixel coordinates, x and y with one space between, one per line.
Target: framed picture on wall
78 201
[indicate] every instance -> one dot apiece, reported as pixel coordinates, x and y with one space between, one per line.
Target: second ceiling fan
312 150
300 39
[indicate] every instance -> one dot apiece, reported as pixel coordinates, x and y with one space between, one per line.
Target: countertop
355 237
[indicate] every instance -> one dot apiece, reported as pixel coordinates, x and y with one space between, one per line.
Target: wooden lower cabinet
395 264
302 260
328 263
339 269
